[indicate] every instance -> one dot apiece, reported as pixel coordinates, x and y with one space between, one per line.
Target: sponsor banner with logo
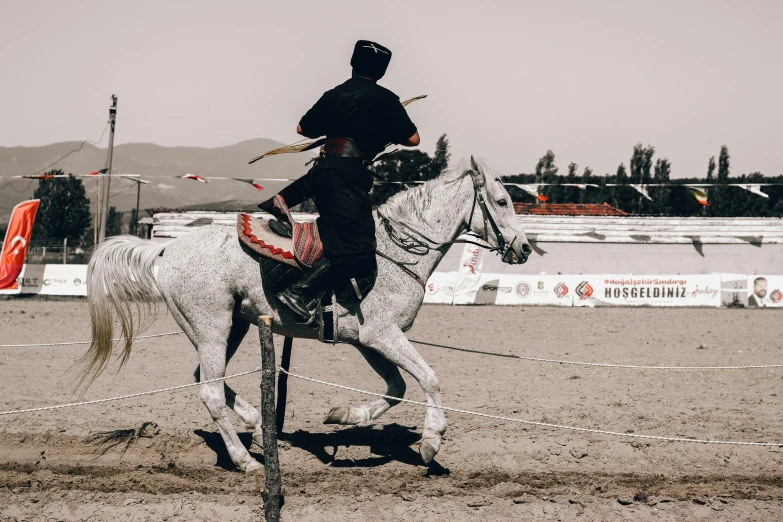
647 290
469 273
508 289
765 291
440 288
52 280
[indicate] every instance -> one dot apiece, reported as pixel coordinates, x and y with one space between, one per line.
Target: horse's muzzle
517 258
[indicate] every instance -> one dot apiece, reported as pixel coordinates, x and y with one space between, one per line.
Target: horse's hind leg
249 416
390 342
209 326
363 414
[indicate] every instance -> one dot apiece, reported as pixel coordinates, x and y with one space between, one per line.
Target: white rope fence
534 423
601 365
409 401
71 343
130 396
467 350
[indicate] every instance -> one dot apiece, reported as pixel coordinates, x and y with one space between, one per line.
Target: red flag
41 176
17 239
196 177
251 182
699 194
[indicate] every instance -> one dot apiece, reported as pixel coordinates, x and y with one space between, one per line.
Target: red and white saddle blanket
305 248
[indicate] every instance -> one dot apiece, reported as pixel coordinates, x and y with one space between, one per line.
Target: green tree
408 165
661 204
571 193
546 167
723 165
710 169
403 165
720 197
641 164
440 161
114 223
587 195
64 211
619 193
546 172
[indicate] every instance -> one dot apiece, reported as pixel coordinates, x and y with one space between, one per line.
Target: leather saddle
285 251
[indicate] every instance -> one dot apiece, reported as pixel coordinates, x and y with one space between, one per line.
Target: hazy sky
506 80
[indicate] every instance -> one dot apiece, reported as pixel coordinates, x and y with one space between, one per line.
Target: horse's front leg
390 342
363 414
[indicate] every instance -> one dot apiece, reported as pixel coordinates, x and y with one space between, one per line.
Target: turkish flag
17 239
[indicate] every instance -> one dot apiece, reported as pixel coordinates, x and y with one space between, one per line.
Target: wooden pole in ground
282 383
272 482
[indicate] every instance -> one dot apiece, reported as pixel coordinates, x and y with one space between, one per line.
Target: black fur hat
370 59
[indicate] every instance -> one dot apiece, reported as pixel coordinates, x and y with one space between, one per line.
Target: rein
422 245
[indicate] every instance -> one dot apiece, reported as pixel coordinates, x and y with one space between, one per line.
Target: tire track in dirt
78 468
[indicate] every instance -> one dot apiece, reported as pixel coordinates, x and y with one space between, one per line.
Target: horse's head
493 219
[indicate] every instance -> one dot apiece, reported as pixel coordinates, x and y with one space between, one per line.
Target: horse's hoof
258 437
427 452
254 465
337 415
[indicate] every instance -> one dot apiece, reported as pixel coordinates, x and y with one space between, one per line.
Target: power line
81 145
75 150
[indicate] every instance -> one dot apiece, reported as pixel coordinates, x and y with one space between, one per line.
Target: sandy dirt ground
57 466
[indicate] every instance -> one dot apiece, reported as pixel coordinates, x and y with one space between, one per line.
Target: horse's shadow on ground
390 443
214 441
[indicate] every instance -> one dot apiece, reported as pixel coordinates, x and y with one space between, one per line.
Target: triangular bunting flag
251 182
194 176
641 189
532 190
755 188
699 194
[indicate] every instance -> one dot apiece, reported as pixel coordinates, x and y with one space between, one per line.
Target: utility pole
138 194
138 182
106 184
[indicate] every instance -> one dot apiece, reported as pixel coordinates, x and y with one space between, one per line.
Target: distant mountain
159 165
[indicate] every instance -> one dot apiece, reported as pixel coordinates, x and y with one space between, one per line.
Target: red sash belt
342 147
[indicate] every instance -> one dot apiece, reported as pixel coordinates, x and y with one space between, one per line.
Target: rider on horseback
359 119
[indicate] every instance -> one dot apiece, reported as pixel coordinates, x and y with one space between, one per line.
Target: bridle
479 182
422 245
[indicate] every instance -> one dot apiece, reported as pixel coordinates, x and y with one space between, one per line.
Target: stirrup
281 228
307 310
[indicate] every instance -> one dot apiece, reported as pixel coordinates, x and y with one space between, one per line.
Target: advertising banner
471 265
765 291
508 289
647 290
440 288
52 280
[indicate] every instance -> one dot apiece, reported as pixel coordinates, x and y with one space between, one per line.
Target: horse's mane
413 201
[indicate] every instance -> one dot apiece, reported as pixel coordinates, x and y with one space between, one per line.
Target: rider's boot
304 296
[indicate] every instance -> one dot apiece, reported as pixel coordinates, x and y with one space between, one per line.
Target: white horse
214 291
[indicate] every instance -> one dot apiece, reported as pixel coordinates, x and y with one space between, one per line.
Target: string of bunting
94 174
697 190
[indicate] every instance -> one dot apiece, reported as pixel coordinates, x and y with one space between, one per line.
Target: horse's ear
477 173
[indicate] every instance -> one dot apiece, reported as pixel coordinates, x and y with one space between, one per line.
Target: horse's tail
120 279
